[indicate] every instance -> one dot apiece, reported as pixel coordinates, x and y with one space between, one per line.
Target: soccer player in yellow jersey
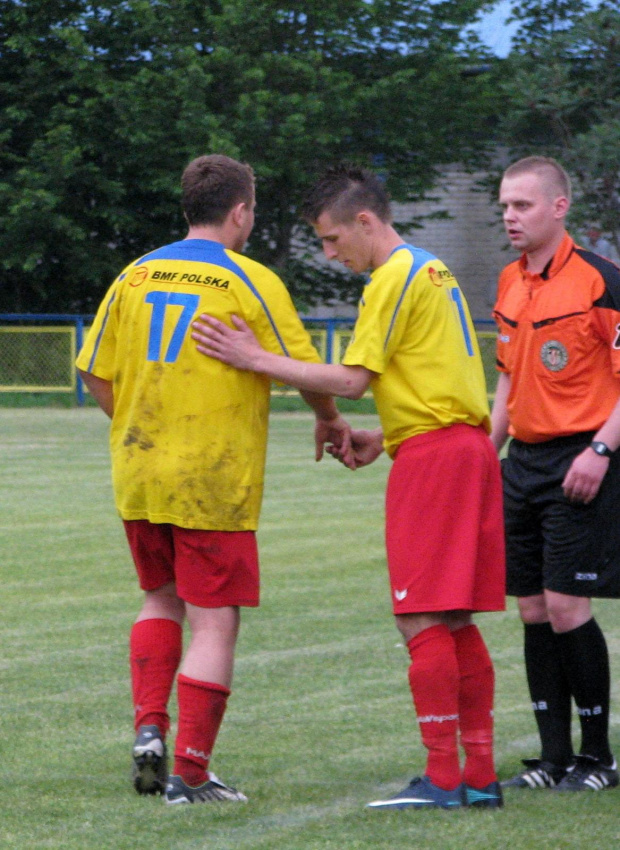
415 347
188 442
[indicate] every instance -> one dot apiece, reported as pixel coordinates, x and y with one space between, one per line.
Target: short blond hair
548 169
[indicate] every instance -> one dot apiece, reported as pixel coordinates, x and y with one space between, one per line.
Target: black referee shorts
552 543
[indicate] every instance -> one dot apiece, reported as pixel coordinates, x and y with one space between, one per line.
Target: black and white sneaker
537 774
213 790
150 762
589 774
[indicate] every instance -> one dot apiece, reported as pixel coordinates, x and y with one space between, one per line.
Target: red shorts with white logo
211 569
444 523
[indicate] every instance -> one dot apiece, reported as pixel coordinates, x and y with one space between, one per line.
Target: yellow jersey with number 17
415 332
189 434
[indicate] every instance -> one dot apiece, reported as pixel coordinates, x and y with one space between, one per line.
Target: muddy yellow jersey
415 333
188 437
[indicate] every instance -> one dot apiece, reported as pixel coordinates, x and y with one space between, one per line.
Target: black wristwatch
601 448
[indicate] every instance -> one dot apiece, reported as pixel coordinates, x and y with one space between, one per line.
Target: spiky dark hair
344 190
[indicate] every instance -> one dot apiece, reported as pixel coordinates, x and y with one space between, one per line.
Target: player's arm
101 390
585 475
241 349
499 414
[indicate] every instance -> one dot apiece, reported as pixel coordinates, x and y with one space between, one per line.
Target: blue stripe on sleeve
420 258
240 273
101 330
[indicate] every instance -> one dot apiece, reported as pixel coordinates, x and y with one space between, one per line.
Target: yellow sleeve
98 353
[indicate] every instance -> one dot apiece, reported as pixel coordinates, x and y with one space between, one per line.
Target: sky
493 29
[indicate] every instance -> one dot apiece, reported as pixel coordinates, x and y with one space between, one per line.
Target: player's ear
365 219
239 214
561 205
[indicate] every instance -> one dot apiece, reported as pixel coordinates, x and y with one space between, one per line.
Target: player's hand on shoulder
236 346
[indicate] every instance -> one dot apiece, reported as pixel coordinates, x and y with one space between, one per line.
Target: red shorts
444 523
211 569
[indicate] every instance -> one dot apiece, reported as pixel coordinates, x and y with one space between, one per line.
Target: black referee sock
550 692
586 663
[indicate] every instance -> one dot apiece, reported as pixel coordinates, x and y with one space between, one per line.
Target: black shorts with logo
552 543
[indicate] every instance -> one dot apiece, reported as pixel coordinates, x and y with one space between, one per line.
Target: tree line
104 103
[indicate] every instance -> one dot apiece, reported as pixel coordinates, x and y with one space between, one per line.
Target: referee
558 352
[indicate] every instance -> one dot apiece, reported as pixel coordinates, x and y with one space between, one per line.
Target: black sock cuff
537 635
588 630
537 628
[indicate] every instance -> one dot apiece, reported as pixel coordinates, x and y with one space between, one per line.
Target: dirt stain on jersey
135 436
215 488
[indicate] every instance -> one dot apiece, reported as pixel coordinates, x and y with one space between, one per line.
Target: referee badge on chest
554 355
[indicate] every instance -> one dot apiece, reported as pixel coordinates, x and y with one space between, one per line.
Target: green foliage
106 103
103 113
562 88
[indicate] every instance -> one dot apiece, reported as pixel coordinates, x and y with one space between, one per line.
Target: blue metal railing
81 320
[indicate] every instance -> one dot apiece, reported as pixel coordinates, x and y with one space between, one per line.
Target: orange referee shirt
559 339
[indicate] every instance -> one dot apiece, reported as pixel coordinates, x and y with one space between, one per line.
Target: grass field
320 720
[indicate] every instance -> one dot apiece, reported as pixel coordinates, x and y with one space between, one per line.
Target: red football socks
477 682
434 683
201 709
155 648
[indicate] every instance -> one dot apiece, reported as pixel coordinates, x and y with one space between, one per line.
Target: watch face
600 448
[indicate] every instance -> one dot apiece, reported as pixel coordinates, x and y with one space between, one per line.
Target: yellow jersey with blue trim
414 331
189 434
